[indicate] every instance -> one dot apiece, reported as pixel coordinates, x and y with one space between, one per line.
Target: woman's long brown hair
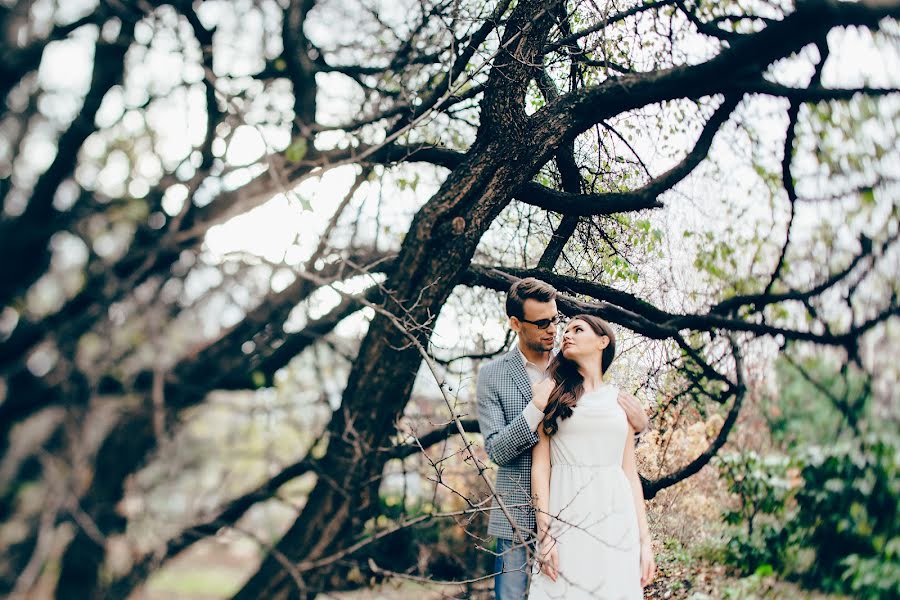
569 382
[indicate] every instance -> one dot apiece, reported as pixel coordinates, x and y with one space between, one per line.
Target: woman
593 540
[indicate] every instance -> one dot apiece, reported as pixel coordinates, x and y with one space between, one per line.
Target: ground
678 578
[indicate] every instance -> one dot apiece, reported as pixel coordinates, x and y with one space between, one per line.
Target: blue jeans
511 566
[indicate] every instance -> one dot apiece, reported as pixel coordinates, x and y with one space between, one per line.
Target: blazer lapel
517 370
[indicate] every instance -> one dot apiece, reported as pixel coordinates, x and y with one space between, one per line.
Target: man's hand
540 393
637 418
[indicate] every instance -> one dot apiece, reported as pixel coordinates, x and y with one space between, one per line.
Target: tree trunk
125 445
435 253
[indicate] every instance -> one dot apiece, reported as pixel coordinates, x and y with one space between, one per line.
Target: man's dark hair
524 289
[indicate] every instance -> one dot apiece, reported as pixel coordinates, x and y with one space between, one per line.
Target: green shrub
843 516
848 513
877 577
763 491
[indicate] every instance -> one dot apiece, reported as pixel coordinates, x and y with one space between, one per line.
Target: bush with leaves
763 491
835 528
847 511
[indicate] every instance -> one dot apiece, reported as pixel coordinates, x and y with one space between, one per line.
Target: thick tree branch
202 371
266 361
746 59
262 187
570 177
150 252
558 240
640 316
28 235
301 68
812 93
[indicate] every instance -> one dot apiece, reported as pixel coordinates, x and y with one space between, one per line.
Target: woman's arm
629 465
540 490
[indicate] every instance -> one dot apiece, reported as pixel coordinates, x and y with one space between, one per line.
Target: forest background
254 252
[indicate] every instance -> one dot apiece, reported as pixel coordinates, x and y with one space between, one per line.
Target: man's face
534 337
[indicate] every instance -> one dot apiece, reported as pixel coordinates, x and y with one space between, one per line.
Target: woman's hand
540 393
648 564
549 559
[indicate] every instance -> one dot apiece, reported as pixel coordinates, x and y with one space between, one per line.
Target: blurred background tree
225 223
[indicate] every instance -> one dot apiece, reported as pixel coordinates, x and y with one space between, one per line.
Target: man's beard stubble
537 346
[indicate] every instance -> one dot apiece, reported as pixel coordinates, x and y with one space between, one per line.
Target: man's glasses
557 319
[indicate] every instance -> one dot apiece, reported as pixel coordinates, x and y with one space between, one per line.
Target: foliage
847 511
763 490
802 414
826 510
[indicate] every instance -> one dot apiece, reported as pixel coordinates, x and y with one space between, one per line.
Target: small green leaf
297 150
259 379
764 570
867 197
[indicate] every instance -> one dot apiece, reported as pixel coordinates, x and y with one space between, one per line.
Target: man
509 419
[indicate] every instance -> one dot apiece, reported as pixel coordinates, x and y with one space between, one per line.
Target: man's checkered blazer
503 391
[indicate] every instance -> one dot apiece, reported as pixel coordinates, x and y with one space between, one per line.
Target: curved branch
787 178
703 27
642 317
642 198
458 67
198 374
758 300
651 488
266 361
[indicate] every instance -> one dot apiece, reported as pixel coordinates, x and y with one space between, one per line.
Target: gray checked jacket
503 391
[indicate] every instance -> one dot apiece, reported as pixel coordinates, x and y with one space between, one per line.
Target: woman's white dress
592 514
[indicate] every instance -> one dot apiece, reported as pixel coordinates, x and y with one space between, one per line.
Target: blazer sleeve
503 441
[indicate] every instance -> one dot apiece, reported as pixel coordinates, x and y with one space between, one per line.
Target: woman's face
581 343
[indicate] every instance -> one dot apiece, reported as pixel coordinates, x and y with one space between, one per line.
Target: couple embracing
563 439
